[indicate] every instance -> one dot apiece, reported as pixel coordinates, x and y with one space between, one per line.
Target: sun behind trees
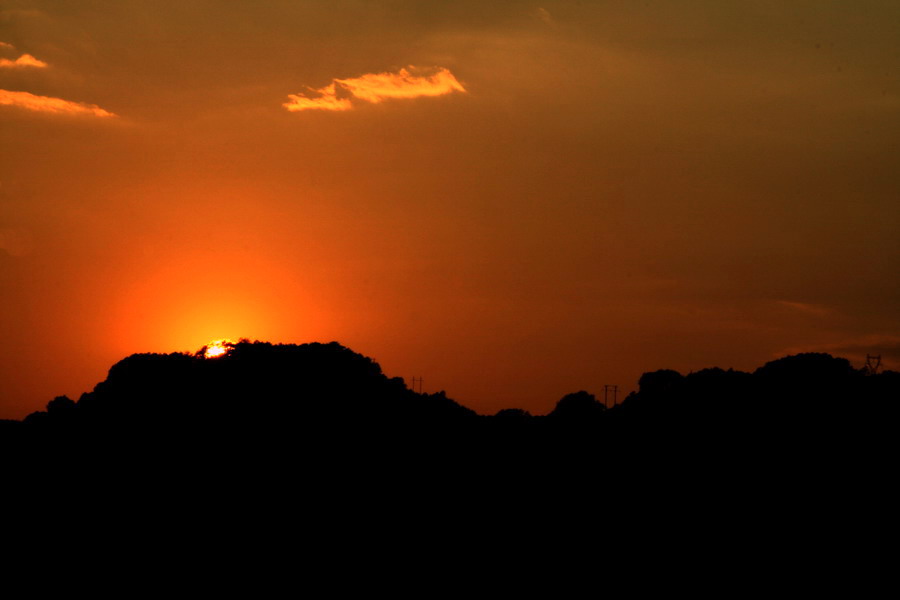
216 348
256 392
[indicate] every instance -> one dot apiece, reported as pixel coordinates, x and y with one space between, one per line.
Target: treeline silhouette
313 442
260 394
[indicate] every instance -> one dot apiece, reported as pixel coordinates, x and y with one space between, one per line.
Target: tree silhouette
579 405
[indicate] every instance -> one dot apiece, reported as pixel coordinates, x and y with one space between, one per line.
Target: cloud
544 15
26 60
6 45
804 307
325 99
375 88
50 105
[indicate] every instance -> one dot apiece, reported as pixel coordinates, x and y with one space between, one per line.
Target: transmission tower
873 363
416 380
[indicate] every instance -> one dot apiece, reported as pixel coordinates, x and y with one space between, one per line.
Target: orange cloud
376 87
325 99
51 105
6 45
26 60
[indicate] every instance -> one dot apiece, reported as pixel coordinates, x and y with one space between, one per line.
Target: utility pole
606 390
414 381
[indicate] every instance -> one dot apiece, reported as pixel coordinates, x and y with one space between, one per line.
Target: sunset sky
513 200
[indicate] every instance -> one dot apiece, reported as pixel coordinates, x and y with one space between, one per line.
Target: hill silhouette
256 390
315 439
260 394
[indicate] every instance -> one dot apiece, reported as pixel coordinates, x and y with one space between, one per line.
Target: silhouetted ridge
261 395
256 386
580 405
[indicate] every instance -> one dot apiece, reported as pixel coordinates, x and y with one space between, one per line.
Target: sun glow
218 348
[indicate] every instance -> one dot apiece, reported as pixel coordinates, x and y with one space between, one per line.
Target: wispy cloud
323 99
804 307
26 60
50 105
7 45
375 88
544 15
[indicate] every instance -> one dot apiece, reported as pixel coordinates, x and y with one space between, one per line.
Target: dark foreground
309 461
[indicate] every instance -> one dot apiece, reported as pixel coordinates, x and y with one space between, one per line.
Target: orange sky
512 200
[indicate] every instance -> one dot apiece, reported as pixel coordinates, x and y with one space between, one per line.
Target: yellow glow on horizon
170 308
218 348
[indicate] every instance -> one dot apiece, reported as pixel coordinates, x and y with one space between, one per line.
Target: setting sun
218 348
